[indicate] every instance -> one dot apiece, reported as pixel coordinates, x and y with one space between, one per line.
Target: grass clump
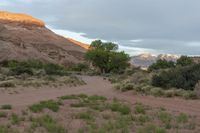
7 84
150 128
5 129
49 124
139 108
85 116
97 98
69 97
15 120
51 105
182 118
165 118
120 107
6 107
3 114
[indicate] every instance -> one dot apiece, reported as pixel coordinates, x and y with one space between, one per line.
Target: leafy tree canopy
184 61
106 57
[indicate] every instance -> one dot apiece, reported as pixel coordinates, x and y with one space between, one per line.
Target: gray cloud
169 26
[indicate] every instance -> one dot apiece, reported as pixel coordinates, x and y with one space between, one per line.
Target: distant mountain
23 37
145 60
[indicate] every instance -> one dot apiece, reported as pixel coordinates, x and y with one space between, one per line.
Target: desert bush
3 114
139 108
5 129
7 84
150 128
80 67
85 116
52 69
161 64
184 61
156 91
182 118
126 87
6 107
29 67
49 124
119 107
180 77
52 105
15 120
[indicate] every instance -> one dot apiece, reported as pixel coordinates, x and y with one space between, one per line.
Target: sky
138 26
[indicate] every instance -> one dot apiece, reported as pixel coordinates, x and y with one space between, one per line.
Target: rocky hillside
83 45
23 37
145 60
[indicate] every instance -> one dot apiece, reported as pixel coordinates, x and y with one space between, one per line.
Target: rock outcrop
23 37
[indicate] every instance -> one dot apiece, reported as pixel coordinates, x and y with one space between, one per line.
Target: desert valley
53 84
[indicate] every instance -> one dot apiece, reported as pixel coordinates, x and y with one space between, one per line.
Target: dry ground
20 98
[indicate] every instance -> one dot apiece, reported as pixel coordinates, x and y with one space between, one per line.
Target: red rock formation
20 18
23 37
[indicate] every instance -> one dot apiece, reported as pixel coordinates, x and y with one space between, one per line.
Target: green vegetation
161 64
139 109
184 61
180 77
6 107
3 114
51 105
121 108
15 120
5 129
85 116
151 128
105 57
98 114
48 123
182 118
30 67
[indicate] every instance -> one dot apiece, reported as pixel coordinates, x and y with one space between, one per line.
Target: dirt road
98 86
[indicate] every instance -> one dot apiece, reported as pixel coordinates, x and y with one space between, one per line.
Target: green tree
184 61
105 57
161 64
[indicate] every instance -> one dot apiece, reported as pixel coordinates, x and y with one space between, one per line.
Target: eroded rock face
26 38
6 17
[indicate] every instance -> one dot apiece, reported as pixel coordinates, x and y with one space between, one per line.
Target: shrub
180 77
52 105
79 67
157 91
52 69
126 87
121 108
150 128
15 119
6 107
184 61
3 114
85 116
182 118
7 84
139 109
5 129
161 64
49 124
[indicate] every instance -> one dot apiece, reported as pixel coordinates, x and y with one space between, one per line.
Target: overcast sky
156 26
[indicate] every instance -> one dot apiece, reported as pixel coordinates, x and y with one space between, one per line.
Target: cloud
170 26
4 3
